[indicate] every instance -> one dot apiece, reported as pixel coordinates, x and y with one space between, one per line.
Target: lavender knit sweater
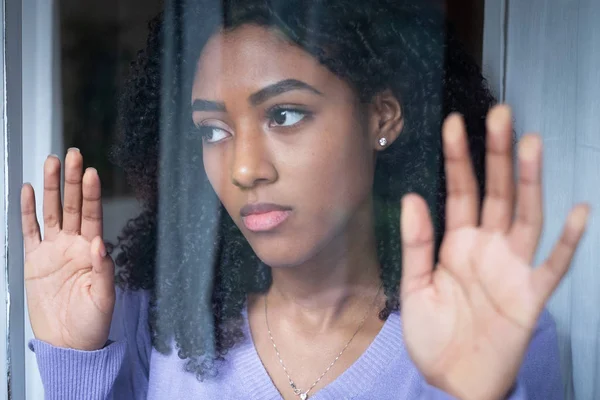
129 368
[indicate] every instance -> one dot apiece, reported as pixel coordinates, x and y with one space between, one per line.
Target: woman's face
287 147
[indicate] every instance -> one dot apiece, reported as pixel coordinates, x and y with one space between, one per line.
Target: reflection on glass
301 167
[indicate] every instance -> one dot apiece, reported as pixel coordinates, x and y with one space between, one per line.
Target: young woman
266 263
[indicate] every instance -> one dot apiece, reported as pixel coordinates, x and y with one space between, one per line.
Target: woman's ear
387 119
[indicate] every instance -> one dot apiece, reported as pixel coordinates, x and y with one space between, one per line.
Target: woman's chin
280 255
279 259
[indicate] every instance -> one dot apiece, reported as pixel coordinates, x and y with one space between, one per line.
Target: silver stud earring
382 141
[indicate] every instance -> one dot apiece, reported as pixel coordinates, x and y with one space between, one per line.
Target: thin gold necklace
297 391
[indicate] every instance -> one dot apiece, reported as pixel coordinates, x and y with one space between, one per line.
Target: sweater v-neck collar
357 379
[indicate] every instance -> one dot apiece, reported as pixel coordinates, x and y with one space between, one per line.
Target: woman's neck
331 288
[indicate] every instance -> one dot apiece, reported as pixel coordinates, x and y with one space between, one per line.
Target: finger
498 202
52 203
72 202
417 245
29 222
91 218
103 269
462 194
526 229
548 275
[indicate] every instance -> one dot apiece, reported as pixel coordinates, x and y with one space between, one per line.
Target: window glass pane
319 199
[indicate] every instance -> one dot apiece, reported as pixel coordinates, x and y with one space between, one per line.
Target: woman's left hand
468 322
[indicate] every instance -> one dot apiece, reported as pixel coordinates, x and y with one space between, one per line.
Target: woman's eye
285 117
212 134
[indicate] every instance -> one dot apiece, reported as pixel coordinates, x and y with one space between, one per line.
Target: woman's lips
264 217
266 221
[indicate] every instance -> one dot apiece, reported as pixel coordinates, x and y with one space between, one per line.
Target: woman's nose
251 162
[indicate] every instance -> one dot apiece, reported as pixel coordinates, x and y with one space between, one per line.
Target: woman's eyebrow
207 105
278 88
259 97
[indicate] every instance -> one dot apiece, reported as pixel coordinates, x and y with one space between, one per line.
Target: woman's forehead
252 56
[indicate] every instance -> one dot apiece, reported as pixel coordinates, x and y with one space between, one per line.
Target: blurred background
98 41
100 38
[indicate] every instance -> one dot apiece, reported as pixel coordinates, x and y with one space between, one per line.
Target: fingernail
499 119
73 149
579 217
453 129
528 148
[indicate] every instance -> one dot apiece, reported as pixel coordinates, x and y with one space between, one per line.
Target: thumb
548 275
103 269
417 245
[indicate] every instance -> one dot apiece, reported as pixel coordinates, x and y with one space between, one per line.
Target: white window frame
42 124
31 129
12 348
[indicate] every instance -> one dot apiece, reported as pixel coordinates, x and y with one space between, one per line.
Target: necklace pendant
303 396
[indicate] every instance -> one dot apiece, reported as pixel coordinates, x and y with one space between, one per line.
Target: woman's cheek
216 171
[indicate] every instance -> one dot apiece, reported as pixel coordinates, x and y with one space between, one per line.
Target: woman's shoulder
545 322
545 337
132 297
132 300
540 371
130 312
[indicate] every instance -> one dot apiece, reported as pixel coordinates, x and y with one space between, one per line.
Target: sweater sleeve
117 371
432 393
539 377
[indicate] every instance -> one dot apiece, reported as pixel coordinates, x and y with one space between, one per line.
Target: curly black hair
184 248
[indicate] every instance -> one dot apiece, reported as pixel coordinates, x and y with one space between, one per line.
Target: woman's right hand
69 278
